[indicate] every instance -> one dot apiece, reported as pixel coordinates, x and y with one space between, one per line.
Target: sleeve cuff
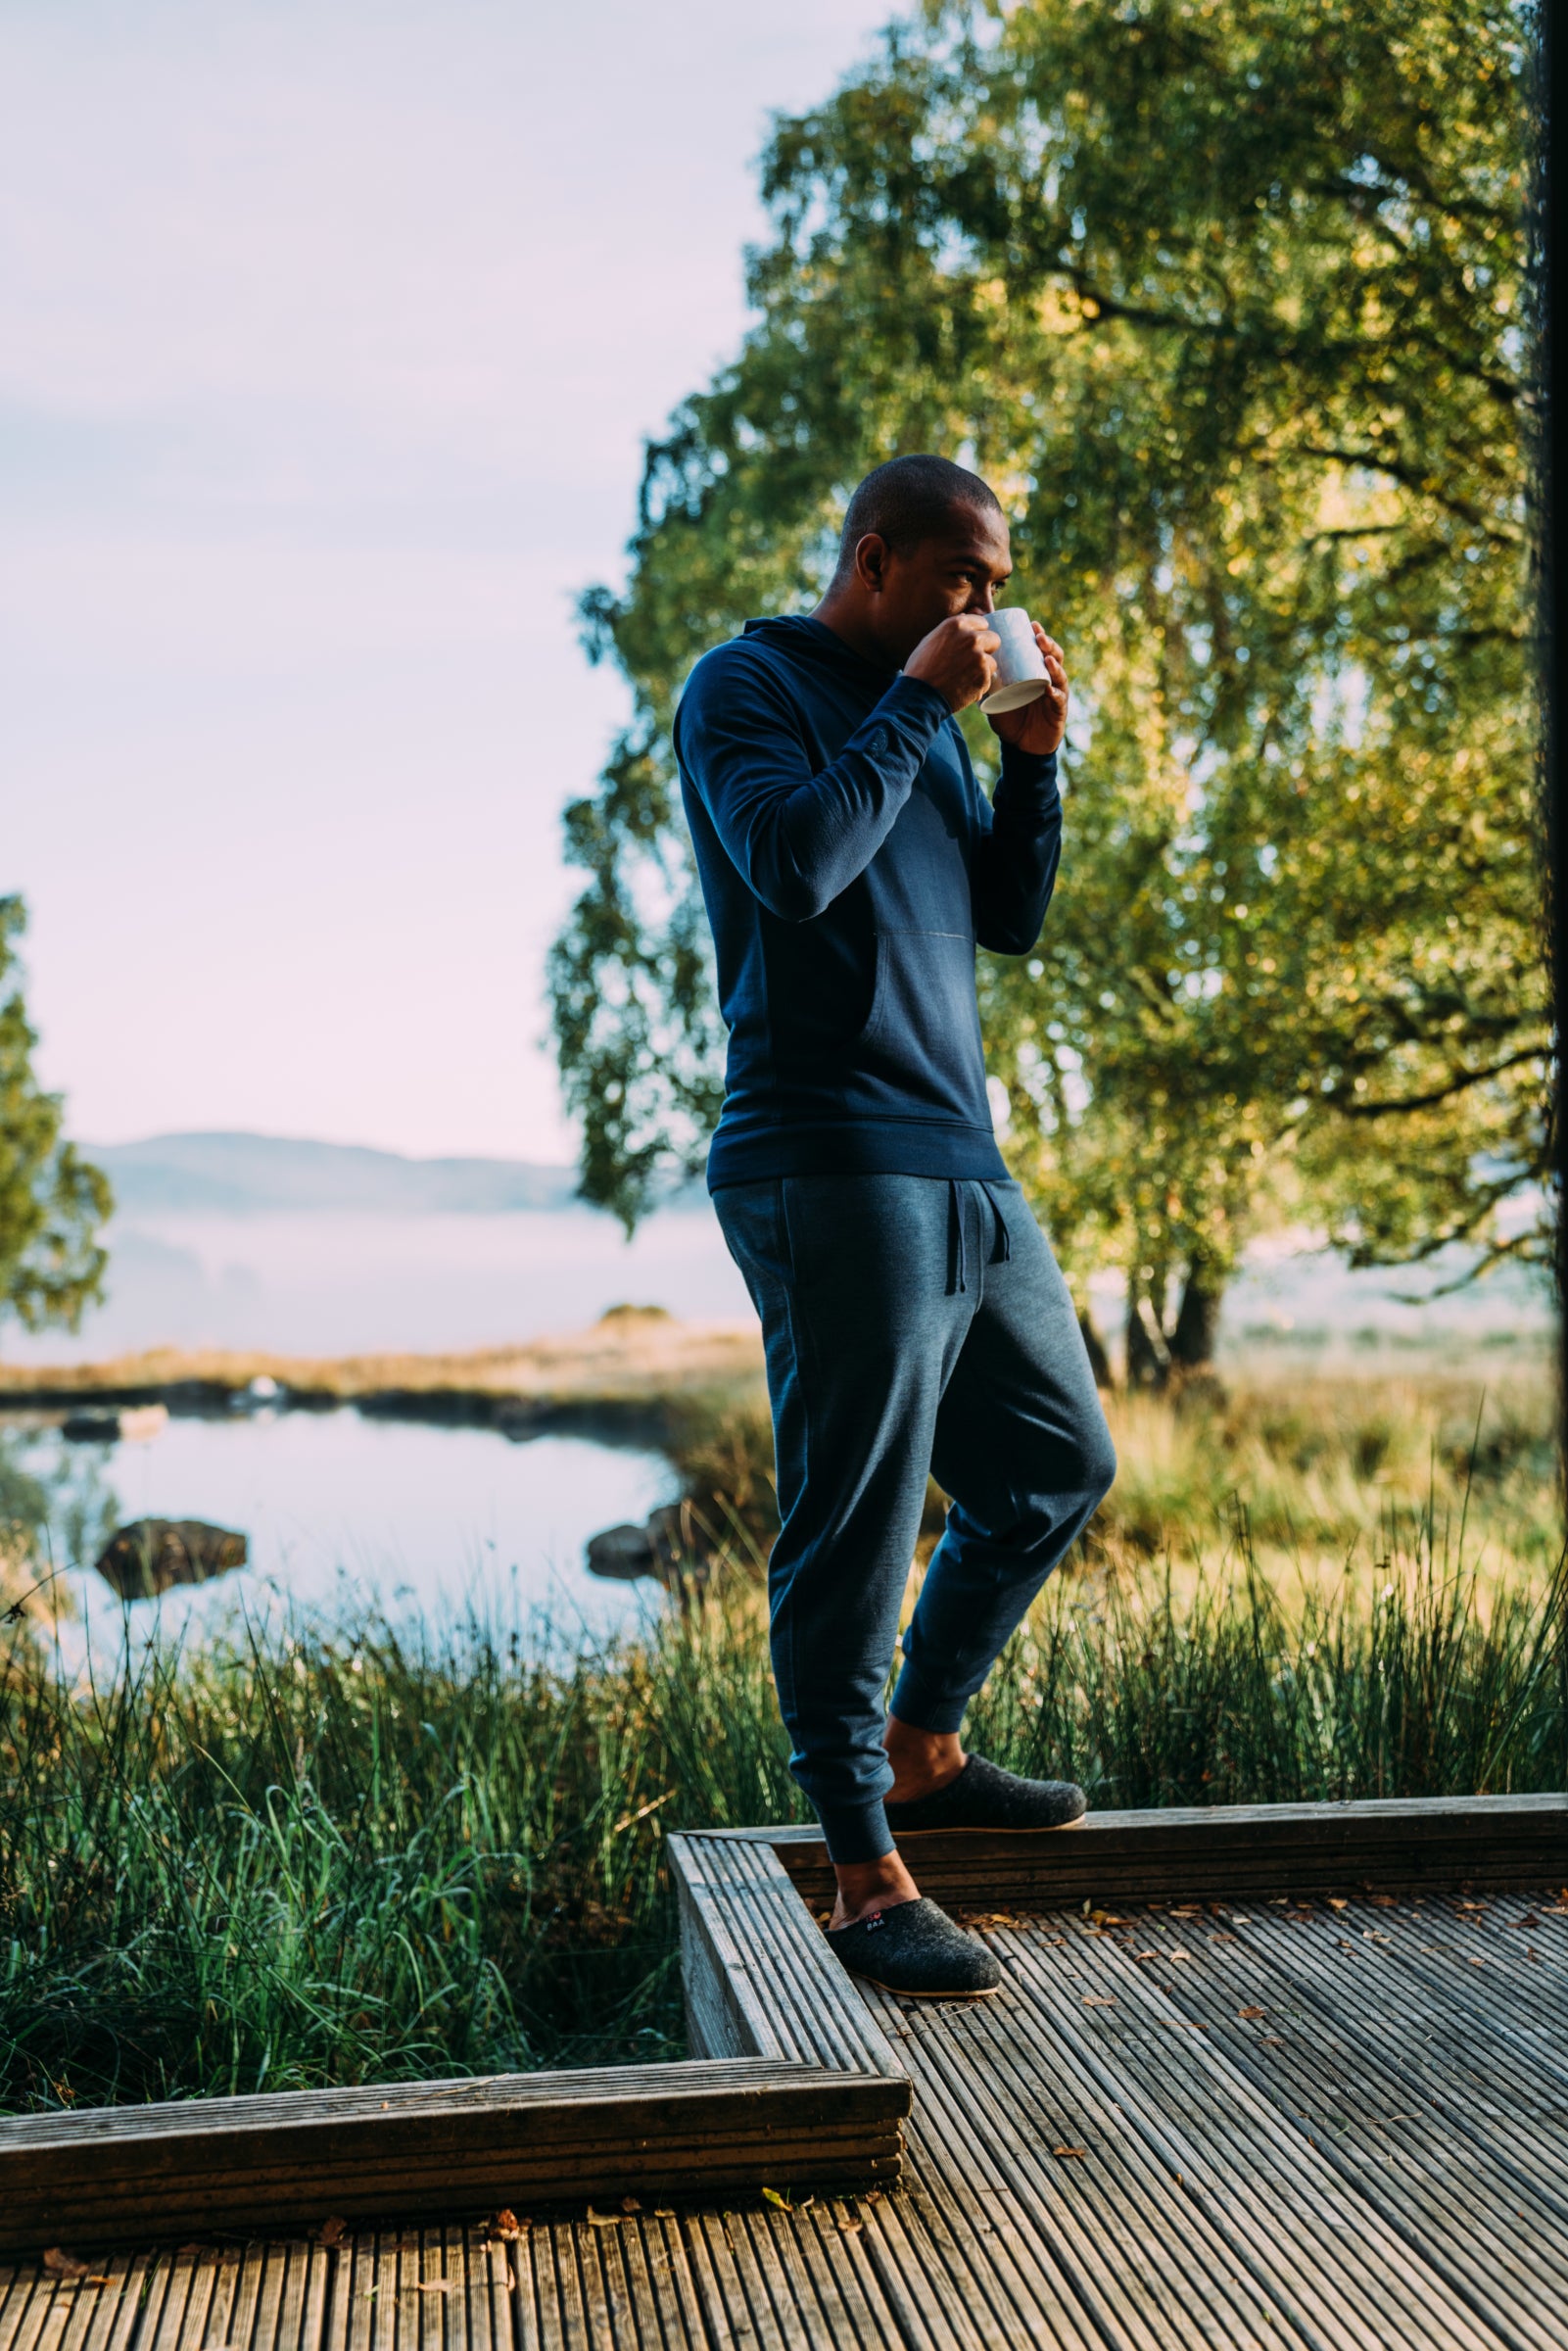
914 699
1032 772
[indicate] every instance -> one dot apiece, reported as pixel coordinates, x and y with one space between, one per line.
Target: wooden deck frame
762 2105
1414 1845
792 2080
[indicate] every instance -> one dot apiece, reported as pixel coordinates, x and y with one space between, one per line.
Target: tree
1225 298
52 1202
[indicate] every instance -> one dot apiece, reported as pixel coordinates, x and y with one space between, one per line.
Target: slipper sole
977 1829
969 1991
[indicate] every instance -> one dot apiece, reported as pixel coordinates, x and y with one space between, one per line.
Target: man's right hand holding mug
956 658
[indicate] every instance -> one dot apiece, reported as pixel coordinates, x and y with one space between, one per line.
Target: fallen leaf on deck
435 2285
603 2219
1098 1999
770 2196
1184 2024
1270 2041
332 2231
1180 1955
630 2204
1187 1910
57 2263
1071 2154
850 2227
664 2212
1478 1963
1384 1901
1251 2015
1529 1920
506 2226
1336 1902
1146 1954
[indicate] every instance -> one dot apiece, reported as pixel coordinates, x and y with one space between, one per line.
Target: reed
328 1853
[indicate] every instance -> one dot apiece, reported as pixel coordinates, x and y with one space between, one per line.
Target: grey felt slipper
985 1797
914 1948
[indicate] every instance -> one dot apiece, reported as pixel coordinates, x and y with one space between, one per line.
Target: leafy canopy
1226 300
52 1202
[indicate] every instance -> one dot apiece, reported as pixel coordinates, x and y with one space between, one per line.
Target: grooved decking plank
1407 2263
772 1946
1132 2262
1237 2170
1491 2108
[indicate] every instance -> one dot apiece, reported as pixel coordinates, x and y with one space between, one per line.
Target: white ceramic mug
1019 664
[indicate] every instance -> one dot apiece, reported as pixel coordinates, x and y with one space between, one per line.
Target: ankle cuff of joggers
924 1708
855 1832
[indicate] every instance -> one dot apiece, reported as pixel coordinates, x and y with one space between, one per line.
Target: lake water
352 1514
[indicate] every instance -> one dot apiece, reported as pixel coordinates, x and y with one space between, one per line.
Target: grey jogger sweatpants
911 1324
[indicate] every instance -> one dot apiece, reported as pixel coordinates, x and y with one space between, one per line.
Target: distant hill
249 1173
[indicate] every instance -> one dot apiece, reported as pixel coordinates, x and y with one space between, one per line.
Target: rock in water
671 1545
623 1552
149 1555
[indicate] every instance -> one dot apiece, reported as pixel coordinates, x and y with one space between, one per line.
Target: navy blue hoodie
850 863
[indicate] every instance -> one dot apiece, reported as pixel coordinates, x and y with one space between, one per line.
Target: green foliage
52 1202
1226 298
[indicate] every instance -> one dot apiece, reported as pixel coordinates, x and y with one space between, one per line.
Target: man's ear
871 563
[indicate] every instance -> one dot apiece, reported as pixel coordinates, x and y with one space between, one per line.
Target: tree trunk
1148 1356
1192 1342
1099 1360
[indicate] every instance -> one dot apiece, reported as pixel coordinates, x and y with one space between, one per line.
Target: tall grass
317 1856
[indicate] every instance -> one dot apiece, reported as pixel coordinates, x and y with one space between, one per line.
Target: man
913 1316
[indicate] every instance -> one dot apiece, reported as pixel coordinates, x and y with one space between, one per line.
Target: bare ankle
865 1886
923 1760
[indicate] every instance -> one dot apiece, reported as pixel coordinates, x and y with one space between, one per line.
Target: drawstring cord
1002 1254
1002 1251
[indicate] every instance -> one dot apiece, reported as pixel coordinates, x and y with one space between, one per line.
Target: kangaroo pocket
920 1045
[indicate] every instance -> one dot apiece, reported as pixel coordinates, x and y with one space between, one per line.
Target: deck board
1338 2123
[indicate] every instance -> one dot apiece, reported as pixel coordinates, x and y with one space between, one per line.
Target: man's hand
1037 727
956 658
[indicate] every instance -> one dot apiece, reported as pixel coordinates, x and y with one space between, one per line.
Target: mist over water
310 1282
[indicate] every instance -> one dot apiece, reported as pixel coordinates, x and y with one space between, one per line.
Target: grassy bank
339 1857
1328 1468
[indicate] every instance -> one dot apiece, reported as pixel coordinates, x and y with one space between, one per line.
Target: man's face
963 572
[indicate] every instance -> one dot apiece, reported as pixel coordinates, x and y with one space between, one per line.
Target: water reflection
339 1511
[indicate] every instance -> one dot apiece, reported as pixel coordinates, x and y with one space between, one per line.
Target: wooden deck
1323 2117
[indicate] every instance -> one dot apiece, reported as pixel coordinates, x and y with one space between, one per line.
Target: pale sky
328 337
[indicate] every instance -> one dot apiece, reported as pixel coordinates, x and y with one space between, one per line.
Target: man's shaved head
909 500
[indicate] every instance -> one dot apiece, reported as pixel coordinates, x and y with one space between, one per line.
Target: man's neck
846 616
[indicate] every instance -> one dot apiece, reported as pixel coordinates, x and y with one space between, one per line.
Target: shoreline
631 1373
